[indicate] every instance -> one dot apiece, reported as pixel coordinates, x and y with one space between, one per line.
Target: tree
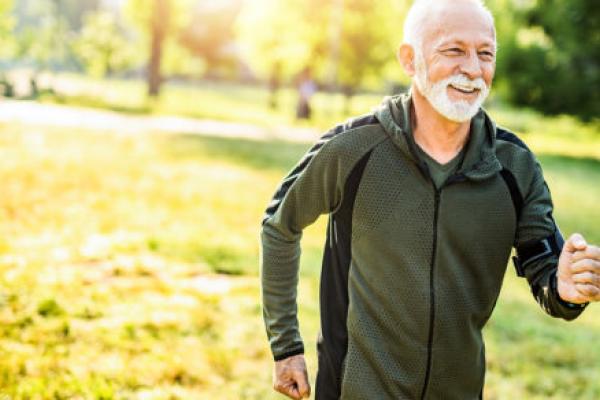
42 37
210 36
159 23
7 24
275 35
42 34
75 11
346 43
101 45
369 38
549 56
7 43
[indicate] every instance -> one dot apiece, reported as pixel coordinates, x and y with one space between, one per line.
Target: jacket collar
480 160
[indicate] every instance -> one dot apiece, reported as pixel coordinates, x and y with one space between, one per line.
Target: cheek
488 75
443 69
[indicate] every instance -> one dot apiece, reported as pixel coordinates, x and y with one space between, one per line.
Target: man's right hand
291 378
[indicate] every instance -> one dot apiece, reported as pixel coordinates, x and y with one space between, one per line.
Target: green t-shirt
440 172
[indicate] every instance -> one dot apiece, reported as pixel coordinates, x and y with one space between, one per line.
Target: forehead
462 23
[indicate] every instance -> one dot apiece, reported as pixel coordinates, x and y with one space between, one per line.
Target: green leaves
549 55
101 45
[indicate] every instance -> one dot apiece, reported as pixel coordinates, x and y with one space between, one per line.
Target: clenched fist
291 378
579 271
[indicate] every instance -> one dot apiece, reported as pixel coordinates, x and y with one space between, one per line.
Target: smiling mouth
465 90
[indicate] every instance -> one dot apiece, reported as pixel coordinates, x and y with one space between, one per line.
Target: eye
454 51
487 54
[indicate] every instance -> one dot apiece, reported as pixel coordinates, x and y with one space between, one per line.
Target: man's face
455 66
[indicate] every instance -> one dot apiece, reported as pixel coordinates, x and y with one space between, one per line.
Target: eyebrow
449 42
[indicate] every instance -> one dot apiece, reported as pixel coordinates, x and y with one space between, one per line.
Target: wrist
555 285
289 353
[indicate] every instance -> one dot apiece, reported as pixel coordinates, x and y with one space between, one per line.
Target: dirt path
34 113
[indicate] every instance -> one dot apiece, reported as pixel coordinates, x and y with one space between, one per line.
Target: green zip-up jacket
411 272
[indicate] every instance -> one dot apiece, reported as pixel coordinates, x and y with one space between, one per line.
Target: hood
480 162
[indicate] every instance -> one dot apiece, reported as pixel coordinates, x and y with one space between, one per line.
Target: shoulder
351 138
354 134
517 159
510 148
342 146
510 141
357 122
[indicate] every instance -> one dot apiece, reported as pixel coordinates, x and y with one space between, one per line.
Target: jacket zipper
431 289
458 177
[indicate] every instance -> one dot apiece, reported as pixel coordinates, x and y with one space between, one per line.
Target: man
426 197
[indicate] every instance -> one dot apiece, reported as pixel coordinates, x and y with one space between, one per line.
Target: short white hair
420 10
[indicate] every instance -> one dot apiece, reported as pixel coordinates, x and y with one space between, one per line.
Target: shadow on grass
283 155
275 155
98 103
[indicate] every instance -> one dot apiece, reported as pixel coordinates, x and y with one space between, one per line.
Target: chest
396 205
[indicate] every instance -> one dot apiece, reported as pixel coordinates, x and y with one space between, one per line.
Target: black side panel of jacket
332 343
313 187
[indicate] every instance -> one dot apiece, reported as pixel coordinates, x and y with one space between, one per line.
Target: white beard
437 93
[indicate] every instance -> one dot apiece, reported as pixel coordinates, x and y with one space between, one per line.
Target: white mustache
461 81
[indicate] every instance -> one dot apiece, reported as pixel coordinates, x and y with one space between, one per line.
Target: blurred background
142 140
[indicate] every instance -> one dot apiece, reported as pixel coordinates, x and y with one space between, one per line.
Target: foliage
550 54
7 22
27 12
369 37
354 50
274 36
101 45
74 11
210 36
139 14
42 34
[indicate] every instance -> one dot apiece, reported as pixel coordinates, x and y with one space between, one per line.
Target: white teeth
464 89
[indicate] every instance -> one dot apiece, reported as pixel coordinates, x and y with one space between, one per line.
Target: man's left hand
579 271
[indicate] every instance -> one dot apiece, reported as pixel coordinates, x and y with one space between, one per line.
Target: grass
128 267
204 99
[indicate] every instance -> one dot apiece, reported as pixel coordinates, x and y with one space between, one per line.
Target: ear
406 56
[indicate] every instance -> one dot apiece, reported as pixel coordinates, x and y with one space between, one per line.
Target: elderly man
426 197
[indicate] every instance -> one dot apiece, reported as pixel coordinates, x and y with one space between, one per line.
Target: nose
471 67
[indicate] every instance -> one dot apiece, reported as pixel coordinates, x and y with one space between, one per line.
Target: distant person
34 91
274 85
426 196
306 89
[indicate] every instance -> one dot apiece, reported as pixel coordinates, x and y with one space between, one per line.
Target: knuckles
585 265
589 290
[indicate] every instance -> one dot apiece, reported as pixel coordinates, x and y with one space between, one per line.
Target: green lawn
213 100
128 267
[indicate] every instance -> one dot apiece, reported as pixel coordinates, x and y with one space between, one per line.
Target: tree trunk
348 93
159 24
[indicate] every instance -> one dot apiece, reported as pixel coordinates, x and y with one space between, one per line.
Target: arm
539 244
312 188
315 186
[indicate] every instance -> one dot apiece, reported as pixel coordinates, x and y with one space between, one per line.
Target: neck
440 137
